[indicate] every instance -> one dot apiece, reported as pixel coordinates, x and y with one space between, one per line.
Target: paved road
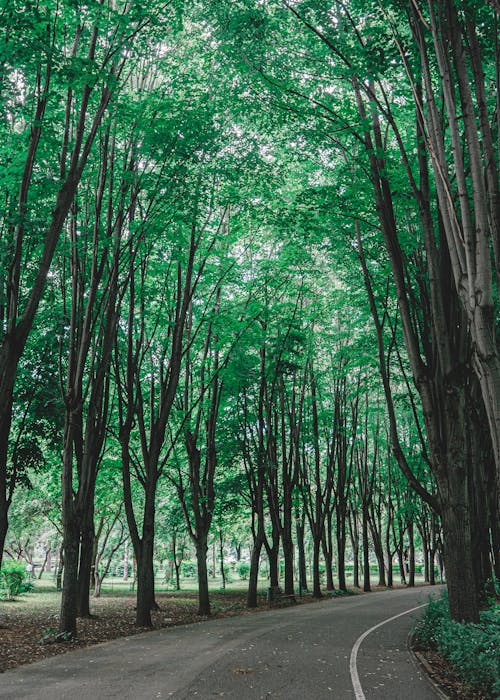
296 653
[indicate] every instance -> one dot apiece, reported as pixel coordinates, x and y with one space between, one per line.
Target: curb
421 663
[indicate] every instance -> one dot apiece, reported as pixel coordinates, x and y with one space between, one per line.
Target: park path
295 653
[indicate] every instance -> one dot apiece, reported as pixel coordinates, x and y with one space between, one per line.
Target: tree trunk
299 527
457 551
432 566
145 583
354 535
287 545
316 561
411 555
201 561
327 545
254 572
222 568
401 563
86 562
341 545
388 551
177 576
273 558
71 543
125 560
425 554
4 519
366 550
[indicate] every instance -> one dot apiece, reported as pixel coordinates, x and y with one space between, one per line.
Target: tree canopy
249 289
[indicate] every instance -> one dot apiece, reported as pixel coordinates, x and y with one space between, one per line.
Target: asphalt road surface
338 648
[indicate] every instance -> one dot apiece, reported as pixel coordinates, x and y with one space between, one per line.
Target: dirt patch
30 636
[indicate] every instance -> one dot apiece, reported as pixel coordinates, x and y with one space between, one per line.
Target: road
306 652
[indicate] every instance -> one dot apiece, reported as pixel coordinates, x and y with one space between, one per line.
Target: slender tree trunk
388 551
366 550
411 555
401 563
125 560
341 547
222 568
354 535
327 545
425 554
316 562
4 519
299 527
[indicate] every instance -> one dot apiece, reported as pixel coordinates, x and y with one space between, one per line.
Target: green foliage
339 593
472 649
51 636
243 570
12 579
188 569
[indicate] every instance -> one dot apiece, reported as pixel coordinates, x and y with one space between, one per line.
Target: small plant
12 579
52 636
27 586
243 570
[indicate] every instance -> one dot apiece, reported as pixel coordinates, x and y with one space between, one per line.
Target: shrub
472 649
12 578
189 569
243 570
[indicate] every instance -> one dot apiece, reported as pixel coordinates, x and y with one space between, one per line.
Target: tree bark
302 571
201 561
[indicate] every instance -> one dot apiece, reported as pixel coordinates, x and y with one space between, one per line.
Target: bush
472 649
243 570
12 579
189 569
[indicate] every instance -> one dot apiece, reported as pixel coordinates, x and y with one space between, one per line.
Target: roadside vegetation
472 649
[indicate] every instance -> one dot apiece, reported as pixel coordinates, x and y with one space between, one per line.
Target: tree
91 67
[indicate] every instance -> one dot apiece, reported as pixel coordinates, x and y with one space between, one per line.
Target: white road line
358 690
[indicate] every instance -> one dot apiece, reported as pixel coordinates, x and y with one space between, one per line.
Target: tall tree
70 79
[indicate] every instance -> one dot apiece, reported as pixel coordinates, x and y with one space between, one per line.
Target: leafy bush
472 649
12 579
189 569
27 586
243 570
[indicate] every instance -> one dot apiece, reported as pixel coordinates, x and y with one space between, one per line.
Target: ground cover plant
472 649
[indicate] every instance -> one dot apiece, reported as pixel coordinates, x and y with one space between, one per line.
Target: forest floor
28 632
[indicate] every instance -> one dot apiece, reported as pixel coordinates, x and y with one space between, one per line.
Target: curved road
296 653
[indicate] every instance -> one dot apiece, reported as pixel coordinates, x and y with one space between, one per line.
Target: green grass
44 597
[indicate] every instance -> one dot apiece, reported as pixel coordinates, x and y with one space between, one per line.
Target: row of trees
229 223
